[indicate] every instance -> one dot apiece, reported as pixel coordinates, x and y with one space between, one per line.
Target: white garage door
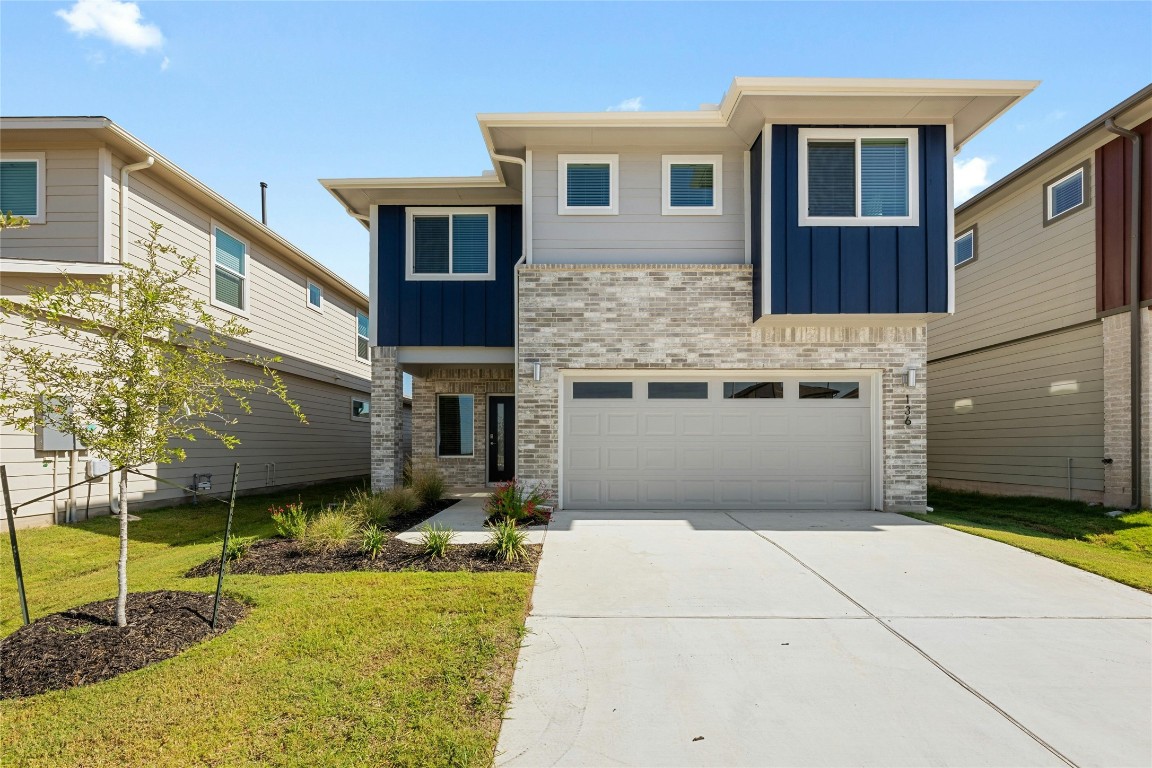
717 442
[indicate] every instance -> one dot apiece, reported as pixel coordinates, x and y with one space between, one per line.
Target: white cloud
635 104
114 20
969 176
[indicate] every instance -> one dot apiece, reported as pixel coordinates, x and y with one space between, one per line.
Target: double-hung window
229 271
587 185
691 185
1066 194
964 247
362 338
451 244
859 177
22 185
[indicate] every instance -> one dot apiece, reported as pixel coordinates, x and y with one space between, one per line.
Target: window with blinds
229 271
362 341
587 184
454 425
451 244
692 184
20 188
1066 194
858 177
964 248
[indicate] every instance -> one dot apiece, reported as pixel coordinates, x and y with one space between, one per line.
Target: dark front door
501 439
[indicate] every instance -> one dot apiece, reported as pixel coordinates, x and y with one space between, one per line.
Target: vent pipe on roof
264 203
1135 364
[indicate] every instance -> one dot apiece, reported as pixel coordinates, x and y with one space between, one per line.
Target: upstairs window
964 247
858 177
22 185
362 341
692 185
229 271
315 297
1066 194
451 244
587 185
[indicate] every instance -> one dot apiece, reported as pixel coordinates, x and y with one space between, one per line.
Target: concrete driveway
821 639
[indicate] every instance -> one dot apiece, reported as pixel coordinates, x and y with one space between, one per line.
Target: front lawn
327 669
1119 548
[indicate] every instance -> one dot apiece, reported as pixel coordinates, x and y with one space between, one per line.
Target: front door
501 438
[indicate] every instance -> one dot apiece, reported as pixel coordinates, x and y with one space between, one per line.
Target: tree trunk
122 568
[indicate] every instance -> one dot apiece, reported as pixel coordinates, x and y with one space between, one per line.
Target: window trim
717 207
245 278
309 284
1085 195
472 455
367 339
911 135
39 158
352 408
975 241
410 215
562 207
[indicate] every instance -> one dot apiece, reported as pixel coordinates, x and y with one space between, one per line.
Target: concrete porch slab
466 518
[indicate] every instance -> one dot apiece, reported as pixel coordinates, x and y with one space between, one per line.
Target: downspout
1135 362
125 171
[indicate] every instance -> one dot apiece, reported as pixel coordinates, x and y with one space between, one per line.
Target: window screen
831 178
454 425
430 245
691 185
589 185
883 177
470 243
18 187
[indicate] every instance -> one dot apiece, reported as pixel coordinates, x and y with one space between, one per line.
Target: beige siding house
296 309
1029 381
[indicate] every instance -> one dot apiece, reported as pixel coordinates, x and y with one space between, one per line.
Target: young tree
147 370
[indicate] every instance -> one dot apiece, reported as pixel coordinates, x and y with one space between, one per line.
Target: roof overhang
967 105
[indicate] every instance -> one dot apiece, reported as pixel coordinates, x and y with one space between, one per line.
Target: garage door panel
698 491
659 492
659 424
697 424
583 492
772 424
621 424
773 493
733 425
657 459
736 492
583 425
584 458
736 458
625 492
696 459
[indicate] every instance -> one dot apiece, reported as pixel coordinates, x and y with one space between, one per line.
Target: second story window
451 244
362 341
315 297
858 177
964 249
22 185
587 185
229 271
1066 194
692 185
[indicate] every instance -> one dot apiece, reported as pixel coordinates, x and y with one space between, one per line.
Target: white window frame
1081 171
310 284
41 183
410 215
717 163
352 408
367 339
455 455
969 232
911 135
245 279
562 207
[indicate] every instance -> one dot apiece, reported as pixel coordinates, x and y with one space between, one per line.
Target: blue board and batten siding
756 221
857 270
444 313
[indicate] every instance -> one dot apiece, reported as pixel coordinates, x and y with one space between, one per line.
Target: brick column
387 419
1118 409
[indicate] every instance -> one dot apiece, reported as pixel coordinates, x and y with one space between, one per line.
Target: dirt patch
83 645
273 557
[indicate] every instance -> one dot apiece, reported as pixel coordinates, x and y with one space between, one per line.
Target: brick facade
1118 409
387 414
698 317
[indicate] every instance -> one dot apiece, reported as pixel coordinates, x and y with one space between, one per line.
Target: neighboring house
715 309
1031 380
65 175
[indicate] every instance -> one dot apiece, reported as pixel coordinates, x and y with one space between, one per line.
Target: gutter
1135 365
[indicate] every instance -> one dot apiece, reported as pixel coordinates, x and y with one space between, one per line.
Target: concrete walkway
466 518
821 639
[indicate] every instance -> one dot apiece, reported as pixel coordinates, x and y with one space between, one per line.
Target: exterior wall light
910 376
536 370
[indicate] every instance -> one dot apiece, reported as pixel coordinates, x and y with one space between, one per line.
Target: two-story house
1040 380
715 309
77 180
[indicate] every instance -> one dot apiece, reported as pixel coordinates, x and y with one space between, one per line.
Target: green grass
404 669
1118 548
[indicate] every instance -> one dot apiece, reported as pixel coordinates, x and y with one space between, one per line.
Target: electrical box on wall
96 468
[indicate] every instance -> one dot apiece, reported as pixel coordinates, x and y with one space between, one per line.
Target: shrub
402 501
517 502
370 508
434 540
238 546
506 541
328 531
373 541
290 521
427 482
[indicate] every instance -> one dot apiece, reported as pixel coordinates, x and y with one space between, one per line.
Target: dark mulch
83 645
273 557
404 522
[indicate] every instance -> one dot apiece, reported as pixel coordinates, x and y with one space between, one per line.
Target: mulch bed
404 522
83 645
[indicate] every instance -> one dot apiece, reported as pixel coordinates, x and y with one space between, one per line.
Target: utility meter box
96 468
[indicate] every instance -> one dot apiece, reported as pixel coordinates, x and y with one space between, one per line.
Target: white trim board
39 158
245 278
410 215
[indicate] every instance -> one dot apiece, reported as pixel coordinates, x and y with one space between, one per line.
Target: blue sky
238 93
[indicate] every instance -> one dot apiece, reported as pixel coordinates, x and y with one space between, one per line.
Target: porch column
387 419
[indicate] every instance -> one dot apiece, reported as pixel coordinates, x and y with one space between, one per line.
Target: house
1034 378
723 308
75 178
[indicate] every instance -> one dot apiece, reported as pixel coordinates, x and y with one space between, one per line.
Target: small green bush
329 530
290 520
427 482
370 508
402 501
434 540
238 546
506 541
519 503
373 541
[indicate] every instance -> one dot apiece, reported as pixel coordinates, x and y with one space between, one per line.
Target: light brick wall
698 317
387 413
479 382
1118 409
